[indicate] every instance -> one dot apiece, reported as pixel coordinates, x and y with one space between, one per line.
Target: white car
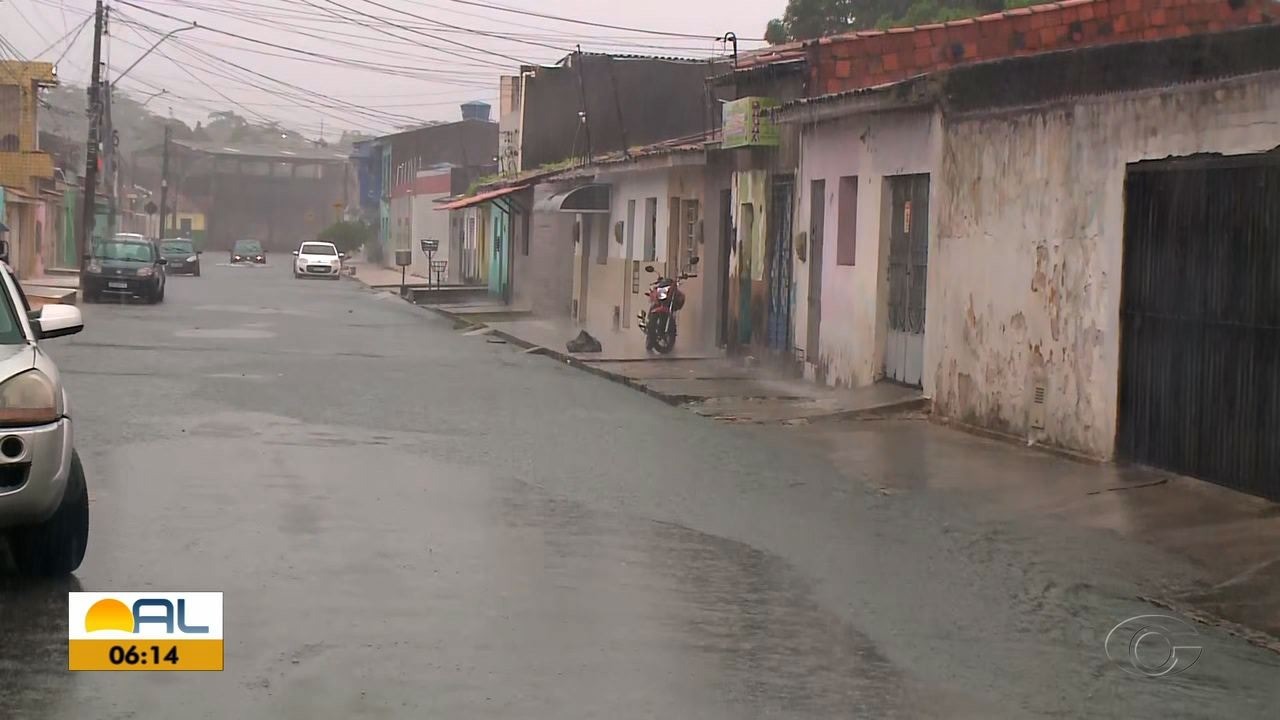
317 259
44 501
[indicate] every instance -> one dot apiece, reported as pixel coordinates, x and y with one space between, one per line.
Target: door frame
914 273
813 315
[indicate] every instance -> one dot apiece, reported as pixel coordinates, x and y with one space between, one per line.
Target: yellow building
28 200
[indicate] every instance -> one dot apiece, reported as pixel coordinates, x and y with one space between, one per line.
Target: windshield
124 251
177 247
248 246
10 329
318 249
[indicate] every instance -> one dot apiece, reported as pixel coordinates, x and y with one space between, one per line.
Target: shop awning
592 198
481 197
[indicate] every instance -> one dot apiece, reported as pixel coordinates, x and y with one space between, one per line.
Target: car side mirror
693 261
342 255
295 253
162 261
648 268
53 321
199 252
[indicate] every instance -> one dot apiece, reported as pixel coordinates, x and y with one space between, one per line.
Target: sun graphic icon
109 614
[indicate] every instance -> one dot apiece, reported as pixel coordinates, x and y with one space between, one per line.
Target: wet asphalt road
408 522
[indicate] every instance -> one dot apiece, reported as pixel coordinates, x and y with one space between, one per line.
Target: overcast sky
411 68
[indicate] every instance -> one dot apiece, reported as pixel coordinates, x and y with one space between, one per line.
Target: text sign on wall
749 122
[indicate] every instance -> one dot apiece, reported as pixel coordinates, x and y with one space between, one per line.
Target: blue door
499 249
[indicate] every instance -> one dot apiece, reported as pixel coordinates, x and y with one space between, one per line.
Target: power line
350 107
456 27
433 37
531 13
256 41
76 30
327 37
24 19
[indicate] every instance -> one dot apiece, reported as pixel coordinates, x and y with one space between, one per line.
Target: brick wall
868 58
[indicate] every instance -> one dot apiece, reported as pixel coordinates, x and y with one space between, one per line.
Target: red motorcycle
665 300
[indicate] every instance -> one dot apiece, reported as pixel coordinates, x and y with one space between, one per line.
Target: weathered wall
543 280
1030 213
854 312
747 256
631 101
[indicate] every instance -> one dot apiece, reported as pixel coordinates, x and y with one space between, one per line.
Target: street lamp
164 37
153 96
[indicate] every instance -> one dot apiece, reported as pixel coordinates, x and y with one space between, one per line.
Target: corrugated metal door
908 276
1200 321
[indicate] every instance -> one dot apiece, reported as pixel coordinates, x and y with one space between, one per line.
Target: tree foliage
806 19
347 235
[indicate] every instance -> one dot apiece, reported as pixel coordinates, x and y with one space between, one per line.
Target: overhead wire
31 25
588 23
76 30
285 88
253 40
384 31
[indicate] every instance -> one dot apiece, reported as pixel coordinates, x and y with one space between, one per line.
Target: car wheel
196 272
160 294
88 297
56 546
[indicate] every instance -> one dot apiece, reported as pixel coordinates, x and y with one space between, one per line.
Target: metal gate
778 331
1200 321
908 276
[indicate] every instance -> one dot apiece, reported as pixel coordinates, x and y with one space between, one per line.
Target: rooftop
262 152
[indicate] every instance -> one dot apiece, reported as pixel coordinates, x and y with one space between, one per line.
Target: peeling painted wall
854 312
1030 212
747 301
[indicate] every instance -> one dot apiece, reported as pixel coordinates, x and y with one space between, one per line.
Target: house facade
1050 259
30 201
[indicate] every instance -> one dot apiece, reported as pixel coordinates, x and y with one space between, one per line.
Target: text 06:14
119 655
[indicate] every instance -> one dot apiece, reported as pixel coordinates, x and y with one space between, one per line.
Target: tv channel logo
144 631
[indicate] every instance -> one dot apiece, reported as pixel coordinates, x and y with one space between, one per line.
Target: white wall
854 310
1030 239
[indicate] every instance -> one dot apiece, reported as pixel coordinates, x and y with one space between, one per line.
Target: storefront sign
748 123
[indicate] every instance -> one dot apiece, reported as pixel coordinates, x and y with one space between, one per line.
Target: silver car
44 502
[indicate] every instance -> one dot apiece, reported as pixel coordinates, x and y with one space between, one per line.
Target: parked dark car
181 257
125 266
248 251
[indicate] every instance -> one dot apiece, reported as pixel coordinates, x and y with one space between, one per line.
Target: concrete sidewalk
381 277
1233 538
707 383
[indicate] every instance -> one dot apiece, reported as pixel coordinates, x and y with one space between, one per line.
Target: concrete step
448 294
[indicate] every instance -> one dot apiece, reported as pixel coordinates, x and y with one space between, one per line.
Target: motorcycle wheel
664 340
651 332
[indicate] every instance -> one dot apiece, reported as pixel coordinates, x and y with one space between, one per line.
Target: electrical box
404 258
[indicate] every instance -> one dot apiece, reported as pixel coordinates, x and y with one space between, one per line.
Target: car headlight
258 258
94 267
193 258
29 399
334 261
237 257
146 272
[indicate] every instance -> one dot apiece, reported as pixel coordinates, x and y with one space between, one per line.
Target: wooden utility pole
89 206
164 183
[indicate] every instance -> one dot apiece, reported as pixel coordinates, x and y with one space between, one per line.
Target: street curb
884 410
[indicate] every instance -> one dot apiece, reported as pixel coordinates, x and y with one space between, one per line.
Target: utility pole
110 173
164 183
90 195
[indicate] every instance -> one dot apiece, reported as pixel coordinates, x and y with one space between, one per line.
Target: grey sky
424 68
